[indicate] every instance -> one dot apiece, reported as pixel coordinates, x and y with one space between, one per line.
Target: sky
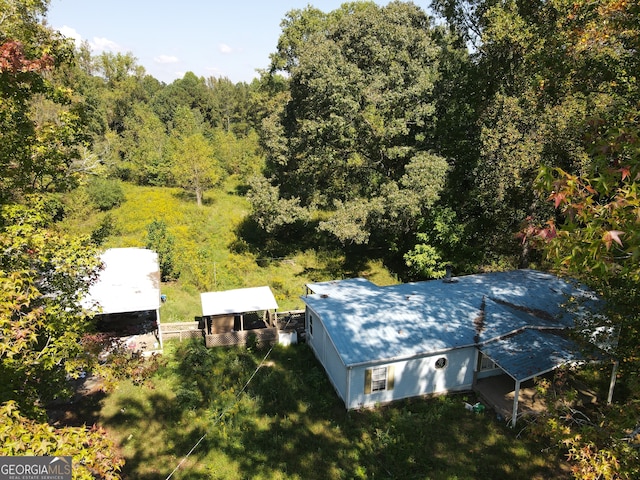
211 38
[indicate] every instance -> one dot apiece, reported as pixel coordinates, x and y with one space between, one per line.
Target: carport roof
237 301
531 353
129 282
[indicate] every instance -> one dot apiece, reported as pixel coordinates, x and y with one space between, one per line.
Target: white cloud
71 33
102 44
166 59
98 44
224 48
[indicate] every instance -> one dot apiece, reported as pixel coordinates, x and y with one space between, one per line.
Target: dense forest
495 135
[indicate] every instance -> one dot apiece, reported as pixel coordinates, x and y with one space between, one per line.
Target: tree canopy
43 274
356 133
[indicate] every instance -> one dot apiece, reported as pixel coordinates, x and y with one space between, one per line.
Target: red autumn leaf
626 172
13 59
612 236
558 198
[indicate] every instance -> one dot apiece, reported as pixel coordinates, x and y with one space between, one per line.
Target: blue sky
210 38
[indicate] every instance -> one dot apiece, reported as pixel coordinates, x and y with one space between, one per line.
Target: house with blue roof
380 344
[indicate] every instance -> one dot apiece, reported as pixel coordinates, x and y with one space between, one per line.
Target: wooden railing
293 320
182 330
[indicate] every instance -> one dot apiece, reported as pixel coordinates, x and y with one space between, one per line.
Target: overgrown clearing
210 252
289 424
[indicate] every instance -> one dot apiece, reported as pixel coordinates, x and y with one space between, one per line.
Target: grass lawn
210 251
289 424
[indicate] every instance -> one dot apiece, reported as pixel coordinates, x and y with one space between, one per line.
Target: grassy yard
289 424
211 252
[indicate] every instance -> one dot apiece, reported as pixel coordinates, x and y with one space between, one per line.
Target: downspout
348 387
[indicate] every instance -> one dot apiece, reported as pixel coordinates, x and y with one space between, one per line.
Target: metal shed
129 283
231 314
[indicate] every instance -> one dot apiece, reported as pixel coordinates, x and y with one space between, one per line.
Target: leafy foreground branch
21 436
591 436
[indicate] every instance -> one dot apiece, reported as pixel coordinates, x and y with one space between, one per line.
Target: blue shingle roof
369 323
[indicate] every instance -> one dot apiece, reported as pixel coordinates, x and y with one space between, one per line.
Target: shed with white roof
231 314
126 295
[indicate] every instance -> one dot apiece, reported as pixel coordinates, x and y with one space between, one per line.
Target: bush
105 193
162 242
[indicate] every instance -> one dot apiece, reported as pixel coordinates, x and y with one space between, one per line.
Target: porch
240 317
261 336
522 357
241 329
498 392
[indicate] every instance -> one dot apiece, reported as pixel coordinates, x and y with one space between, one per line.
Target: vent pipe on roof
448 278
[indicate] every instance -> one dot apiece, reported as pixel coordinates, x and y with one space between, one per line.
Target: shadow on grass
190 197
285 241
333 259
289 423
309 434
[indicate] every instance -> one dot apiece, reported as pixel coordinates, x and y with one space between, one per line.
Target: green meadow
215 247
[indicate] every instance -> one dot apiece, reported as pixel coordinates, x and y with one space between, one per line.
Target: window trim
379 379
482 364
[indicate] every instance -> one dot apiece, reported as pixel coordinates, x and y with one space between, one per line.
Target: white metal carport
129 282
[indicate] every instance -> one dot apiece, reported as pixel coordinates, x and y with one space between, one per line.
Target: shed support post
242 322
159 328
612 384
516 396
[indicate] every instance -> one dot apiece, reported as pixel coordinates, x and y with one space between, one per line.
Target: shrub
105 193
161 241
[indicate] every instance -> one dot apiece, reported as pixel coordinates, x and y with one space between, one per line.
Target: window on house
486 363
378 379
310 324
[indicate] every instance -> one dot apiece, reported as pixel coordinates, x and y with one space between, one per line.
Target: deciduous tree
360 113
195 167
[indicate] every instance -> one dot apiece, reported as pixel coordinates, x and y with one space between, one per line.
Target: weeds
289 424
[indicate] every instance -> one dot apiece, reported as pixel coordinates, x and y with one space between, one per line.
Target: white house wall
416 377
327 354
